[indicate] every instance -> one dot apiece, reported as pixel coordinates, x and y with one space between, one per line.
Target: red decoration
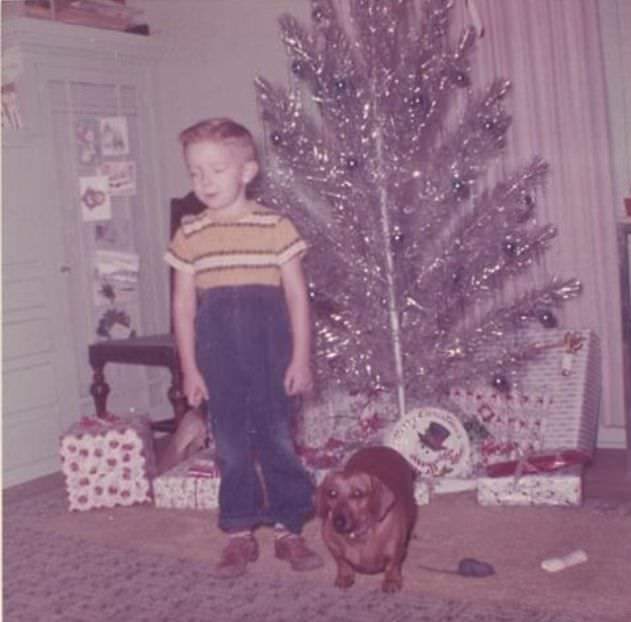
538 463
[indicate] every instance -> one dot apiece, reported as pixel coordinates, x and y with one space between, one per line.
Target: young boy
241 323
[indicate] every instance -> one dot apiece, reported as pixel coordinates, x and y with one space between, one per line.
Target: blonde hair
221 130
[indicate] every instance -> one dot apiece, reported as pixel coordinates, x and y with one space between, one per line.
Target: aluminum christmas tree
378 151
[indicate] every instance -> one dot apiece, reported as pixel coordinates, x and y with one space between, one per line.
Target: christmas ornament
456 276
351 163
510 248
460 188
547 319
397 236
298 68
317 14
500 383
340 85
459 78
527 207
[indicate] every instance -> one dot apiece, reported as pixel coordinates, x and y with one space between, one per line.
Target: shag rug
142 564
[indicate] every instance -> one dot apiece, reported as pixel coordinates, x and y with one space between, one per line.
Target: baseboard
26 473
611 438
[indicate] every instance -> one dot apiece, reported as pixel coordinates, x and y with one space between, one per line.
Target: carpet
141 564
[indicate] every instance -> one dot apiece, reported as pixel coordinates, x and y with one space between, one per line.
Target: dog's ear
381 499
320 497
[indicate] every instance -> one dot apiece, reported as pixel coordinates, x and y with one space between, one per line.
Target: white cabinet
86 102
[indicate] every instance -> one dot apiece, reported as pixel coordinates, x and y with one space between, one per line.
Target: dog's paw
344 581
392 584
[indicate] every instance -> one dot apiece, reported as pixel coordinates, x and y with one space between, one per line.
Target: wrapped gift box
554 408
562 487
329 429
108 462
192 484
339 420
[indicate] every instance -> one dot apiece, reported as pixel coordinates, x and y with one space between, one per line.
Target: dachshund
368 512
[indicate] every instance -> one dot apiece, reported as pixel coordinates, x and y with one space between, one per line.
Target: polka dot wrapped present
108 462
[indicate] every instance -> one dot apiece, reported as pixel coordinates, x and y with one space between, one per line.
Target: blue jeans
243 346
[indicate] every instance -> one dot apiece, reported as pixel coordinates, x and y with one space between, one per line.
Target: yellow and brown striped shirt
247 251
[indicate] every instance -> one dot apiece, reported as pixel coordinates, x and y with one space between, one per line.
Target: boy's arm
298 377
184 309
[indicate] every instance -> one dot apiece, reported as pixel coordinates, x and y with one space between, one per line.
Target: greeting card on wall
12 66
11 117
112 235
95 198
115 323
120 265
115 277
121 177
86 135
112 291
114 136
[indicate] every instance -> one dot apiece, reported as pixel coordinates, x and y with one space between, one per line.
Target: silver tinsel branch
378 150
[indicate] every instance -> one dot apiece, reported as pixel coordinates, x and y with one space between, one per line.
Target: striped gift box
555 405
562 488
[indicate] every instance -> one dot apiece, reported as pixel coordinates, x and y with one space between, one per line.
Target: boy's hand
195 388
298 378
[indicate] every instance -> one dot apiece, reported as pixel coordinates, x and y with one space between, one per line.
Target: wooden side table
154 351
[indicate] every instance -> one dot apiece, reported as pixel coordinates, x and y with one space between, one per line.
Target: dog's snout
341 524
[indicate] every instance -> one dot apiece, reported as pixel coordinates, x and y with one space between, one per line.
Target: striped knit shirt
246 251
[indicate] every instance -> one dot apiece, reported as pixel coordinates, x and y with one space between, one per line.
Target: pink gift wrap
108 462
192 484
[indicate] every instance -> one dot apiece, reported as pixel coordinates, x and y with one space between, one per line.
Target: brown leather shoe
292 548
235 557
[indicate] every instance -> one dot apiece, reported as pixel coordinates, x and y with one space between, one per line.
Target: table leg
99 390
176 395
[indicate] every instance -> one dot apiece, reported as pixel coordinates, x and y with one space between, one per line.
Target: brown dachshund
368 512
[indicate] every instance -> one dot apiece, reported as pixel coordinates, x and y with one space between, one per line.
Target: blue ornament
456 276
460 188
418 102
528 201
510 248
500 383
460 78
397 237
340 85
528 205
351 163
547 319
